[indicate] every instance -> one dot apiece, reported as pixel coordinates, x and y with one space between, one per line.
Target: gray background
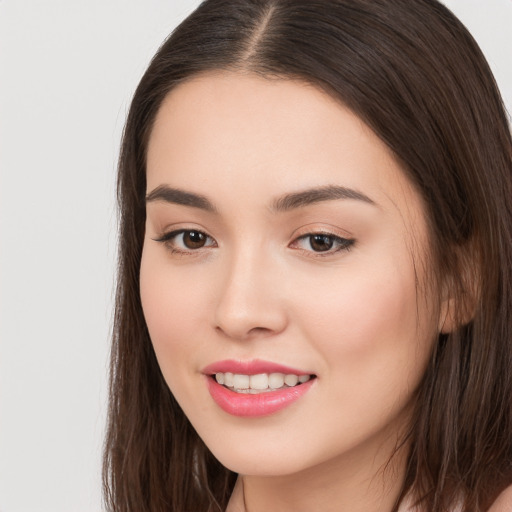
67 71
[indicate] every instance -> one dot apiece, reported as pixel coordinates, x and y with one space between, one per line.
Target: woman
314 298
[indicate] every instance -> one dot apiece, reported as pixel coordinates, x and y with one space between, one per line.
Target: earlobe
447 316
460 289
458 309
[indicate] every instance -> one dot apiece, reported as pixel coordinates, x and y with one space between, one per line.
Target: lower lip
262 404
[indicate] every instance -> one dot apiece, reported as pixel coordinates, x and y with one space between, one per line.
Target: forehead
223 130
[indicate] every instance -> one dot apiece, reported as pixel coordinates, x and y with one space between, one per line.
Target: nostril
241 332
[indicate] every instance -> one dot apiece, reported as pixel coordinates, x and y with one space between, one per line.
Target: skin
362 320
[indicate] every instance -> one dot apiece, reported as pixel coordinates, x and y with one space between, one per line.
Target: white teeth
291 380
241 381
276 380
259 381
228 379
262 382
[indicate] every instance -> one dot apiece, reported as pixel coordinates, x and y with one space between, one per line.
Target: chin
257 466
266 459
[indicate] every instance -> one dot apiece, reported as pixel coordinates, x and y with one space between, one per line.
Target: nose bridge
248 301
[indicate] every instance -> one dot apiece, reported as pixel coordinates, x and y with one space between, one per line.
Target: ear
460 292
447 316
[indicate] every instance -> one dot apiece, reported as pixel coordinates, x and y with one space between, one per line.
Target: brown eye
321 243
186 241
194 239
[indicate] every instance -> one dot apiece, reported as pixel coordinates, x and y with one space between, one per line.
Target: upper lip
252 367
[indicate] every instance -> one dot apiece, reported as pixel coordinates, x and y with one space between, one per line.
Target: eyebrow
281 204
177 196
317 195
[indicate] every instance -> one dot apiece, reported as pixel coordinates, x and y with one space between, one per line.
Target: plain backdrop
68 69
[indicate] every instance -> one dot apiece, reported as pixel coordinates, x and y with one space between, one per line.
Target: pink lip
253 367
247 405
263 404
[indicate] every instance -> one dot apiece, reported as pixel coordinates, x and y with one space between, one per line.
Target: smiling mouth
259 383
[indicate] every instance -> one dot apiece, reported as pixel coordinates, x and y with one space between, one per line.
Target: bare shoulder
504 501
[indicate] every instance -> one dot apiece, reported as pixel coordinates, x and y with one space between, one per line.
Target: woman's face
283 241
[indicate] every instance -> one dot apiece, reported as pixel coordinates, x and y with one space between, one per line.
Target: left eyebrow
177 196
318 195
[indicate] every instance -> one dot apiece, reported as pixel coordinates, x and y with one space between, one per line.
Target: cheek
368 312
173 305
373 332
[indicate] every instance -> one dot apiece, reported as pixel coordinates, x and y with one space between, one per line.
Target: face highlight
283 241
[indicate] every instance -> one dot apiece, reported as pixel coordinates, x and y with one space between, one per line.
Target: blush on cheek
173 310
162 297
366 315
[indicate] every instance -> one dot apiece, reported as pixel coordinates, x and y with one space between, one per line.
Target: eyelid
169 234
166 231
321 229
343 244
344 239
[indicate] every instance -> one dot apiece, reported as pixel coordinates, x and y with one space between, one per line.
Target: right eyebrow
176 196
317 195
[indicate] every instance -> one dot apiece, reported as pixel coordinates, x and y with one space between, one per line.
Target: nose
249 301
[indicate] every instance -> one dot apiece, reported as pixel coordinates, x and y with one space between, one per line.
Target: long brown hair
414 74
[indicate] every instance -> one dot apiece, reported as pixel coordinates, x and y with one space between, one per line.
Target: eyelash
342 244
167 240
